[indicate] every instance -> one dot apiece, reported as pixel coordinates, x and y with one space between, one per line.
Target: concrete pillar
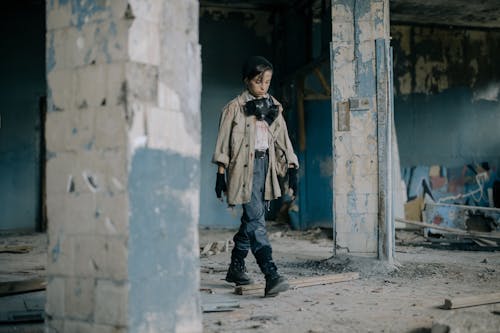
123 147
356 25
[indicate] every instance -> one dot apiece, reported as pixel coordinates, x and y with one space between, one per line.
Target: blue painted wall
316 171
447 129
161 251
22 82
447 95
227 39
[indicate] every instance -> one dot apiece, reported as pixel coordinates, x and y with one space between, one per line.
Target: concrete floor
382 300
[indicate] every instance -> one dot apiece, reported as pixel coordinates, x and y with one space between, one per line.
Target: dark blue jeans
252 234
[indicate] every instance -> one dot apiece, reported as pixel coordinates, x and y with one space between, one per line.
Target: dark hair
254 66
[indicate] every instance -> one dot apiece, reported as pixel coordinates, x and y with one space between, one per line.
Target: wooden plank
316 97
15 248
23 286
344 116
383 148
300 283
487 235
220 306
322 80
467 301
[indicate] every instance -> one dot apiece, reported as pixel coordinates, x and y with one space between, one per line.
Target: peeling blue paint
50 155
105 50
351 202
160 227
51 53
56 250
112 28
366 79
83 10
90 144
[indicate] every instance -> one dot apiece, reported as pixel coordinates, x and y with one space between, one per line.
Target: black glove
220 184
292 180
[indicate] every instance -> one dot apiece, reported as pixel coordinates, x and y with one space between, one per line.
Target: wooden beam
23 286
306 69
300 283
322 80
466 301
488 235
316 97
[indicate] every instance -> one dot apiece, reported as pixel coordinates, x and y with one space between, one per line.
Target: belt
260 153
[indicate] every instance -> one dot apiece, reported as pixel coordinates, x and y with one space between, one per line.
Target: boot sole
284 286
240 283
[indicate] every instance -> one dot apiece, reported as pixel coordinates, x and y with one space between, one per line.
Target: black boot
236 272
275 283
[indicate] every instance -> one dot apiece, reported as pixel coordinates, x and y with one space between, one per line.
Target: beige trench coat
235 150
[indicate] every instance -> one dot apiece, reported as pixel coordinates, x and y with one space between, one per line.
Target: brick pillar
356 24
123 146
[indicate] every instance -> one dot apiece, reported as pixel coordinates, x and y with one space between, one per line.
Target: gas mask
263 109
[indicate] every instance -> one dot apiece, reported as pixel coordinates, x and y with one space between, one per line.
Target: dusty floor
382 300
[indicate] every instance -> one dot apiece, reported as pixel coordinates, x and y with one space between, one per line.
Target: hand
220 185
292 180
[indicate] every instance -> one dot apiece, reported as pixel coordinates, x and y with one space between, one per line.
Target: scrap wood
299 283
462 302
15 248
220 306
488 235
23 286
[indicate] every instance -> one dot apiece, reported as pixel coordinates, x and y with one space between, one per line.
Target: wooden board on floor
487 235
300 283
462 302
23 286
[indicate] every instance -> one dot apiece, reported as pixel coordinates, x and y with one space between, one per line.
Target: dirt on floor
404 297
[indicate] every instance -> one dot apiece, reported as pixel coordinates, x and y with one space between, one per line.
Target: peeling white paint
119 186
144 42
110 226
168 98
80 42
168 130
490 93
91 181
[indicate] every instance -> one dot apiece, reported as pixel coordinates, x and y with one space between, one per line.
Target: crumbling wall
447 89
355 27
123 149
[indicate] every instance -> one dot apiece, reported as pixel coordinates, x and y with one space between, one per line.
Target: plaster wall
123 149
355 27
447 89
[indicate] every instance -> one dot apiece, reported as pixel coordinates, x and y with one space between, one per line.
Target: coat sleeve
222 147
287 144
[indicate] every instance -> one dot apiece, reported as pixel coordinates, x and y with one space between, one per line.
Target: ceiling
470 13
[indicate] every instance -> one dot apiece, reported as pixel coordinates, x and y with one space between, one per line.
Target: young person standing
252 150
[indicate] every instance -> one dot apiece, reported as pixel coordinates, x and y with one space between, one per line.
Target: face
259 85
